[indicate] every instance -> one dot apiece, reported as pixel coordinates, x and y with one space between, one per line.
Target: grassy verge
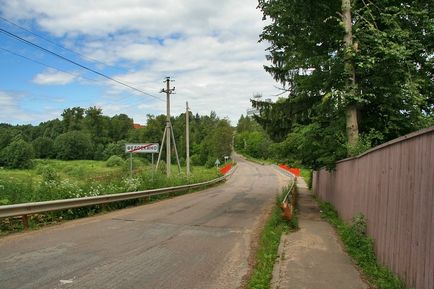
268 246
361 248
55 180
307 176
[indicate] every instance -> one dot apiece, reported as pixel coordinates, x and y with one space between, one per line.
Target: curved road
199 240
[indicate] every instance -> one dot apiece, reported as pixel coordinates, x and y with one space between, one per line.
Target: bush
48 173
210 163
73 145
117 148
18 155
115 161
43 147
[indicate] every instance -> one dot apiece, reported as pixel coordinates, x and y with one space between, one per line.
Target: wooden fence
393 186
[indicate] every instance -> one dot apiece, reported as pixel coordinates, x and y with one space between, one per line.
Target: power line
44 64
54 43
14 36
63 47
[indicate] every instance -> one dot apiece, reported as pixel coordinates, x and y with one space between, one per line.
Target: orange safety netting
226 168
294 171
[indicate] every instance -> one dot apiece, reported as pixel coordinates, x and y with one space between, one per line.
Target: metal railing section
288 203
26 209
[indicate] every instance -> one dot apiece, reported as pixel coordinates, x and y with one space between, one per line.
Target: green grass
268 247
54 180
307 176
361 248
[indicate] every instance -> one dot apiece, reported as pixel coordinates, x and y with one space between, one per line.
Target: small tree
43 147
18 155
73 145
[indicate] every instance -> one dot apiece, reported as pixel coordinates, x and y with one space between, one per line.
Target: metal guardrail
26 209
288 202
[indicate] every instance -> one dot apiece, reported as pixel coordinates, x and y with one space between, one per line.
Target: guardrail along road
199 240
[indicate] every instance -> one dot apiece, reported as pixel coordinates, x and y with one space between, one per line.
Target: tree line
355 74
88 134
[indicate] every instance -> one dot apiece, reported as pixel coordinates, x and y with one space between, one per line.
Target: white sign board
141 148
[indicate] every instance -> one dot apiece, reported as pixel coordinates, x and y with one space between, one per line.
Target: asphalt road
199 240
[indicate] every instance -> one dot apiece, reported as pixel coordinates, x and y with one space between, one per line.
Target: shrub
18 155
73 145
115 161
117 148
44 147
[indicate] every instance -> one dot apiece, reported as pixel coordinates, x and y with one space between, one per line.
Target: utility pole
187 138
168 128
168 132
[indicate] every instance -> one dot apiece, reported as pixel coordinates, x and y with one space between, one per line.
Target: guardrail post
25 219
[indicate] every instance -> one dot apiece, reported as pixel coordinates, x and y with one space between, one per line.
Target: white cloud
210 47
14 111
53 77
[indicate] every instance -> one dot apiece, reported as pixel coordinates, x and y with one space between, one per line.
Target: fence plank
393 186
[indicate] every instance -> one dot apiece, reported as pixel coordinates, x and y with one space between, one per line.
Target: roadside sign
217 162
142 148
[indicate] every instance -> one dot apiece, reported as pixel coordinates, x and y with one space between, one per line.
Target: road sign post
140 148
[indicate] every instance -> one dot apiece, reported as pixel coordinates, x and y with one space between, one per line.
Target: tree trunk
351 110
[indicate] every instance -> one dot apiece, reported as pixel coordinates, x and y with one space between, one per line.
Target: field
55 179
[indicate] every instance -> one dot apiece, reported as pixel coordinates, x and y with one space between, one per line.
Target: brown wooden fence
393 186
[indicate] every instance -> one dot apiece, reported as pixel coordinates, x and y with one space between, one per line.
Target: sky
209 48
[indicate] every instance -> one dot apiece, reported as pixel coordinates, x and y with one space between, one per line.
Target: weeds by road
268 246
361 248
54 180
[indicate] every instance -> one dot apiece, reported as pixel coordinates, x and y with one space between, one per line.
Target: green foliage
394 91
73 145
117 148
43 147
18 155
307 176
268 246
361 248
48 173
366 141
115 161
88 134
255 144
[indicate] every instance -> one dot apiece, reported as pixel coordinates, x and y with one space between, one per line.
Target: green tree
73 145
72 118
374 70
18 155
120 126
43 147
96 125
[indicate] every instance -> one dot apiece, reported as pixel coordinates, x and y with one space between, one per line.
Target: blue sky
209 47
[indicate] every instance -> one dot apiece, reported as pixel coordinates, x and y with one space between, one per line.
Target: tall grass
269 244
361 248
54 180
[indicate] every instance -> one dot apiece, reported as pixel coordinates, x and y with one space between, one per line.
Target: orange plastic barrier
226 168
294 171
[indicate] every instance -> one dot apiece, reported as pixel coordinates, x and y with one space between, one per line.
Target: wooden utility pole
187 139
168 131
351 110
168 128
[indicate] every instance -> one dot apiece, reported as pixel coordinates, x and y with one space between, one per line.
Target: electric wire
56 44
47 65
16 37
121 101
63 47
